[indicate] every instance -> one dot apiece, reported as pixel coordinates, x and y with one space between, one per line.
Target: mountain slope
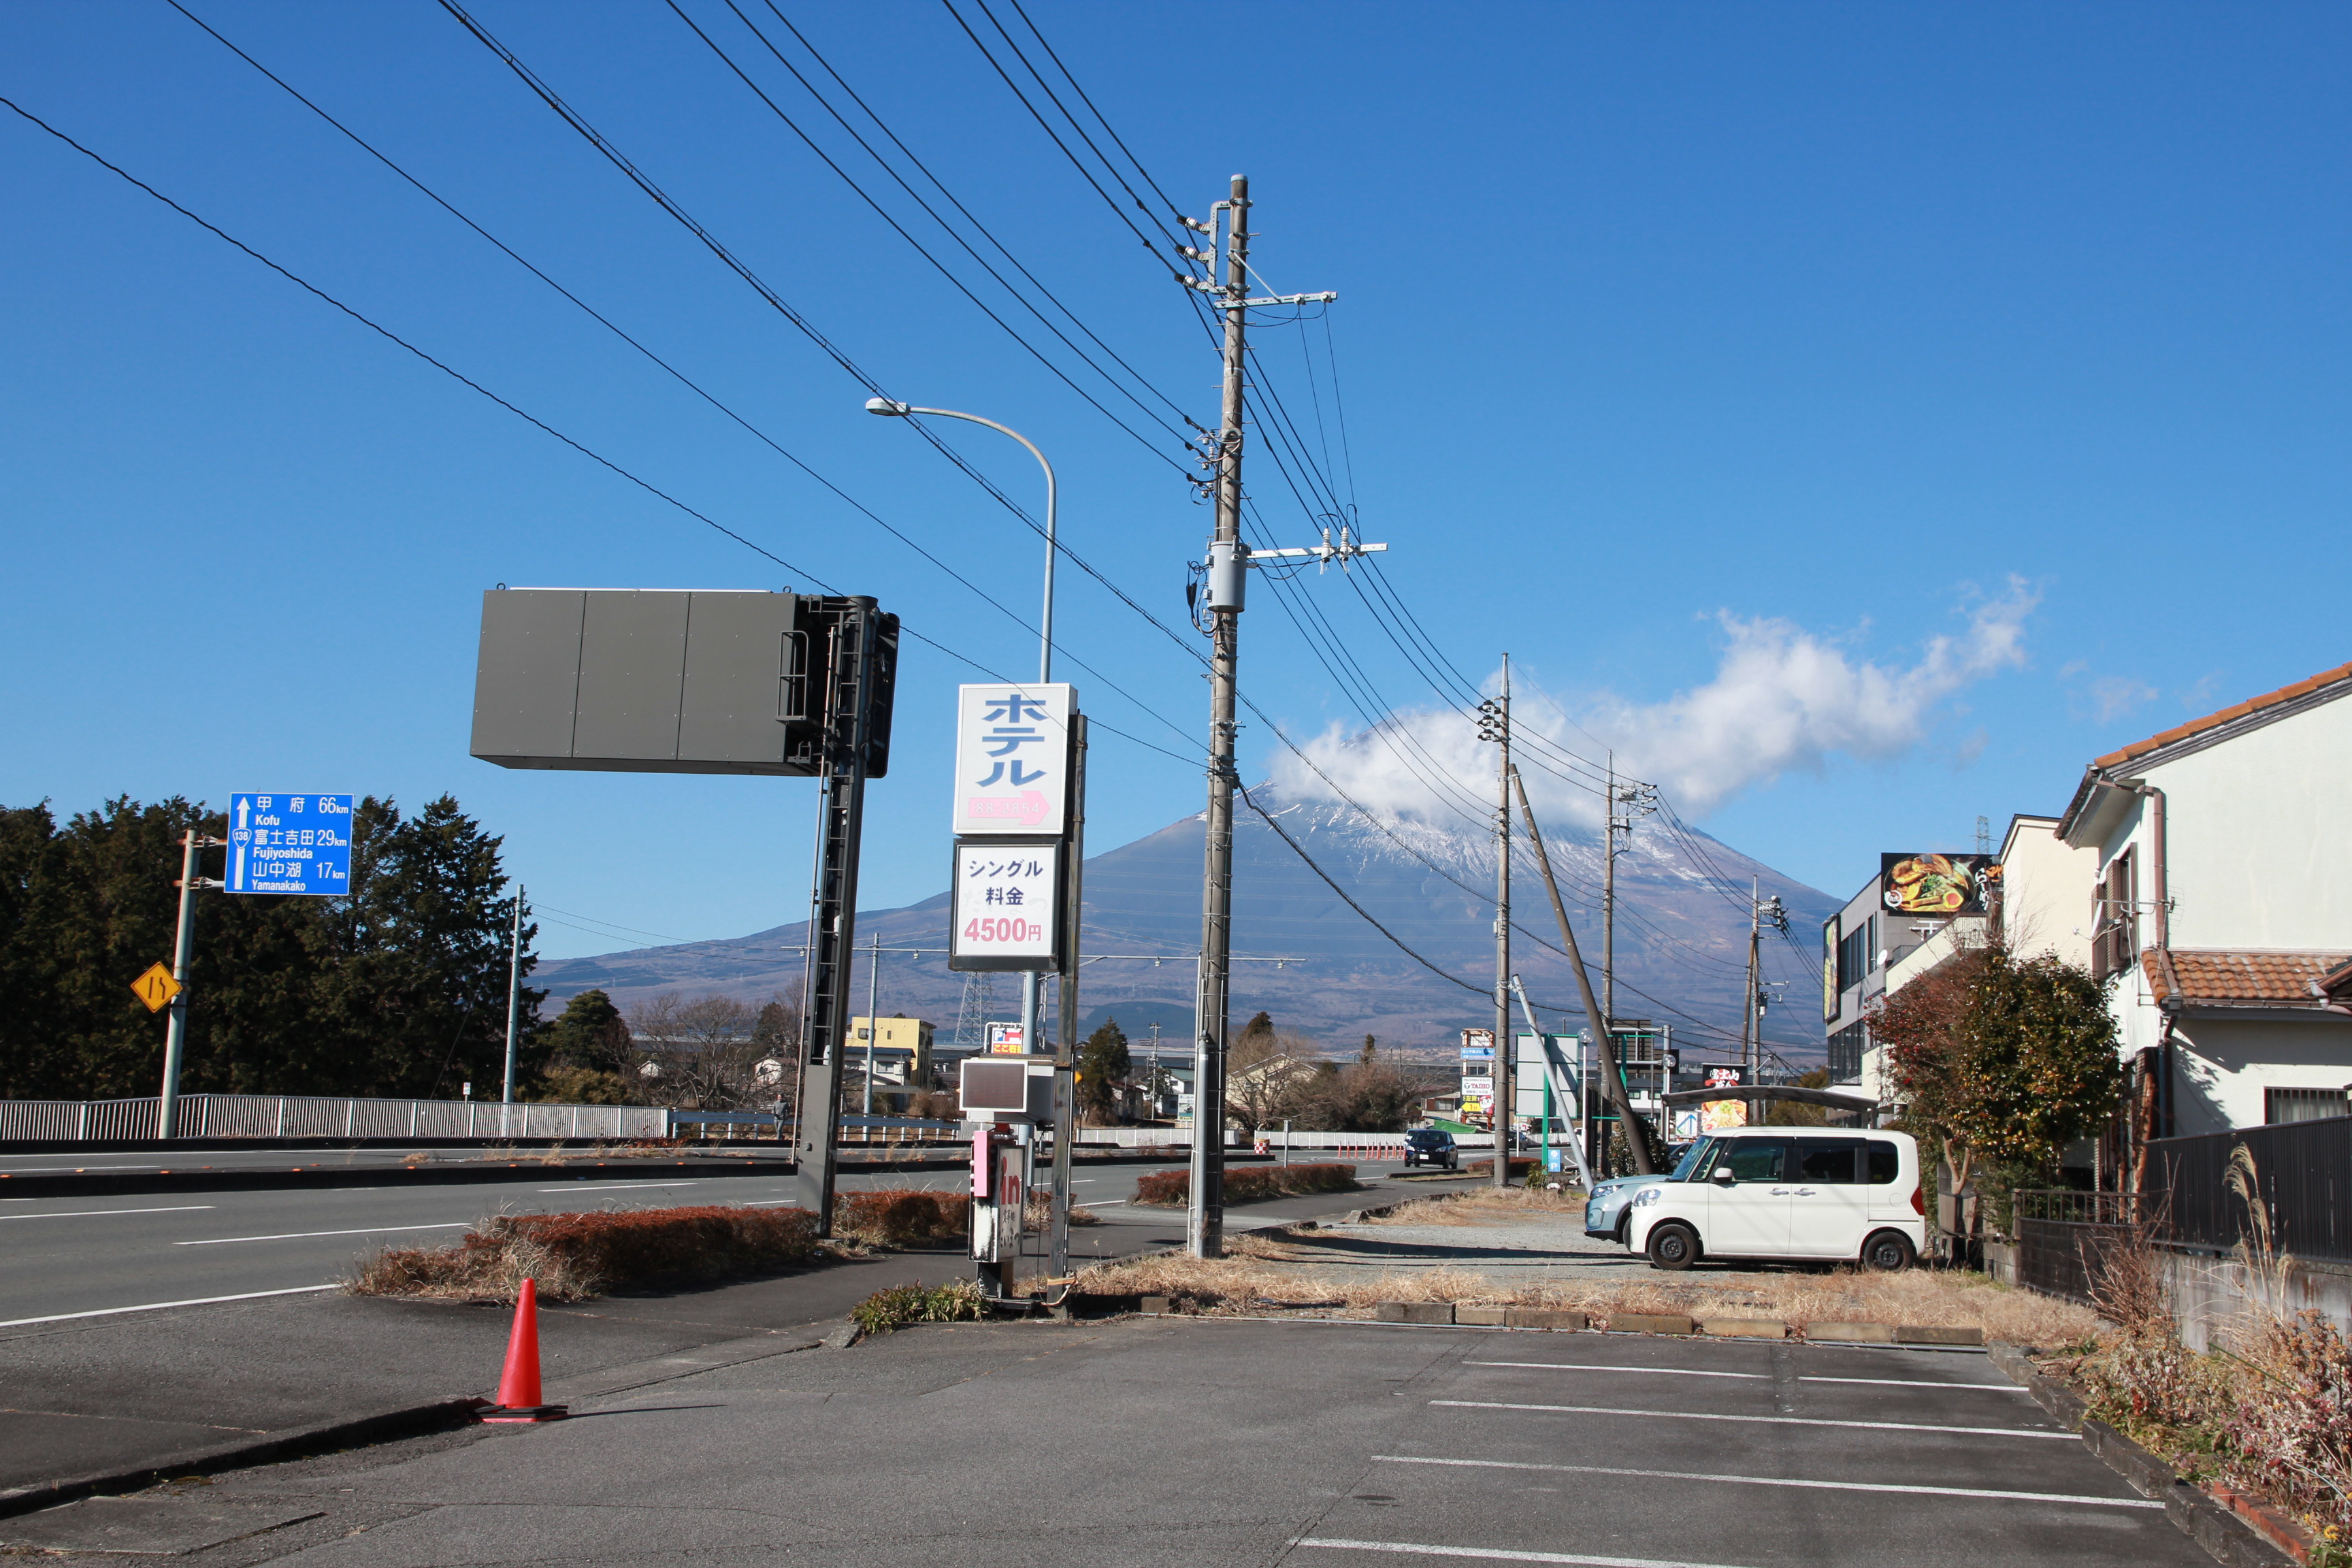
1681 940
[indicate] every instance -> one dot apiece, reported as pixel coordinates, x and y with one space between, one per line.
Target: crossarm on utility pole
1612 1082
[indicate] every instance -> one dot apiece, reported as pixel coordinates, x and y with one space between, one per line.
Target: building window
2304 1104
1854 955
2115 947
1847 1046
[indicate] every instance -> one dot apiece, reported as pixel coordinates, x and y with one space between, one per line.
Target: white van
1793 1194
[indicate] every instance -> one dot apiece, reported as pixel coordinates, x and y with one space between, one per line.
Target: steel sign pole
1065 1099
514 998
832 912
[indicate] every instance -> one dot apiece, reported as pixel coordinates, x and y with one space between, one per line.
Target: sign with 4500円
1012 760
1006 905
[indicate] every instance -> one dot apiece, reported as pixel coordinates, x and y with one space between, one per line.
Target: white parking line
158 1306
1661 1371
1501 1554
613 1186
1774 1482
93 1214
303 1235
1919 1383
1763 1420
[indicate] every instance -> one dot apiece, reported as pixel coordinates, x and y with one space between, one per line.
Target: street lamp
888 408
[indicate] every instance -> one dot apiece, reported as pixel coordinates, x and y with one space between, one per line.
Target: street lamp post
886 407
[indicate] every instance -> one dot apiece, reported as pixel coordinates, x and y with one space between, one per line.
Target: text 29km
1006 928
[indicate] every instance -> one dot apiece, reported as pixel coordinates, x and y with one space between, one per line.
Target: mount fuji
1681 948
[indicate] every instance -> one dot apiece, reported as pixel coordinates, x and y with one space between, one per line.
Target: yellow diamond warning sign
156 988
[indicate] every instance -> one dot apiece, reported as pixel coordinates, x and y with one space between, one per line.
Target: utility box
663 680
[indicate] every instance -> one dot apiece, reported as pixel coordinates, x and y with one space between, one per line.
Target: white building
2220 896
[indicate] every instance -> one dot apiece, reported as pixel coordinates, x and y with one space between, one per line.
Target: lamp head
885 406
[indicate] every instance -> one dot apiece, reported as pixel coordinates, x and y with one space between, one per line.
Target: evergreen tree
1103 1064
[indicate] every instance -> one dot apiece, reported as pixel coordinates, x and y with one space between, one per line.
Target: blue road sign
290 844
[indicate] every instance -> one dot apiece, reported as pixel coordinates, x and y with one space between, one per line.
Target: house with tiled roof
2221 905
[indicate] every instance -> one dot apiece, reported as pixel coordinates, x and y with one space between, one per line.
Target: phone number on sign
1007 928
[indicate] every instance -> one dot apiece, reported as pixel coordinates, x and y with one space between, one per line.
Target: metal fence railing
314 1116
2296 1178
2065 1236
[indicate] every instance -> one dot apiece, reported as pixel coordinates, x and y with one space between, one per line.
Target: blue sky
1713 361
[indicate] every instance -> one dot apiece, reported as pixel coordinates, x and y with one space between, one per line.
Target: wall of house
2222 1064
2046 891
2250 821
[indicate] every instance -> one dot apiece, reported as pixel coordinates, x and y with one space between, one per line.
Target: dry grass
1482 1205
1260 1270
1248 1183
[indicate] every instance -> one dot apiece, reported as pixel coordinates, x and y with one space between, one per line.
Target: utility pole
1228 572
1205 1223
1495 724
1748 1008
514 1003
184 947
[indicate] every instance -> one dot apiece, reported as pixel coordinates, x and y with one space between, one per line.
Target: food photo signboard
1933 884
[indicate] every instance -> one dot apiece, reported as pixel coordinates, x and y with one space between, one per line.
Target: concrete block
1744 1328
1649 1323
1851 1333
1413 1312
1487 1316
1156 1304
1916 1334
1545 1318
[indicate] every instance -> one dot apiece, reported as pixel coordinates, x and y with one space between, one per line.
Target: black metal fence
2062 1236
2285 1188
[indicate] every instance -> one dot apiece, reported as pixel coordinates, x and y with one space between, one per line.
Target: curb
2226 1537
293 1442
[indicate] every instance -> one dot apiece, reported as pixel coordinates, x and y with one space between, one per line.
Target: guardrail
315 1115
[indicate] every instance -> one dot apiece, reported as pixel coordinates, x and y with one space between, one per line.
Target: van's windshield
1695 1160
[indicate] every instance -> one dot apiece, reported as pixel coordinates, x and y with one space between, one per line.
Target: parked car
1606 1212
1775 1192
1431 1147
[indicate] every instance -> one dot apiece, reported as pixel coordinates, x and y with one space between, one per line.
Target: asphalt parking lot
1191 1441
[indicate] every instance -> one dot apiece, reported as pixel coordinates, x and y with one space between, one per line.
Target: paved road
1197 1442
60 1258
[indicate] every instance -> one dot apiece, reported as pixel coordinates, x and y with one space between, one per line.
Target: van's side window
1885 1163
1752 1159
1828 1161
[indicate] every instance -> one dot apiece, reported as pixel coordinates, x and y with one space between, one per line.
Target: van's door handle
1782 1193
1804 1192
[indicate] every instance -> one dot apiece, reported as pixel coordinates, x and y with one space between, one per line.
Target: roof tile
2241 977
2239 710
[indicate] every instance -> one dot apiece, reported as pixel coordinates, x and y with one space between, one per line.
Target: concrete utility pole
1747 1009
1229 560
1495 724
514 1003
1205 1221
1613 1082
873 1019
184 947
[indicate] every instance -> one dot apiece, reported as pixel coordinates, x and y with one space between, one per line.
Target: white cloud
1781 699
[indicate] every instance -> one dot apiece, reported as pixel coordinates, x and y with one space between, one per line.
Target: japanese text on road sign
290 844
1012 759
1006 912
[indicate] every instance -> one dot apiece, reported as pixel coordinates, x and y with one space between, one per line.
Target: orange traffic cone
519 1384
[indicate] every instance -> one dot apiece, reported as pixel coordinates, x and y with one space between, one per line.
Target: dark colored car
1431 1147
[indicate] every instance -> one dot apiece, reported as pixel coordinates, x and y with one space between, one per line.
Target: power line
681 377
920 249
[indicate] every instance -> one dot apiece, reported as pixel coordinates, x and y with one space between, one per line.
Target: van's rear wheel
1887 1252
1673 1245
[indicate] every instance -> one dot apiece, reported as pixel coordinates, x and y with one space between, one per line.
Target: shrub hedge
1248 1183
